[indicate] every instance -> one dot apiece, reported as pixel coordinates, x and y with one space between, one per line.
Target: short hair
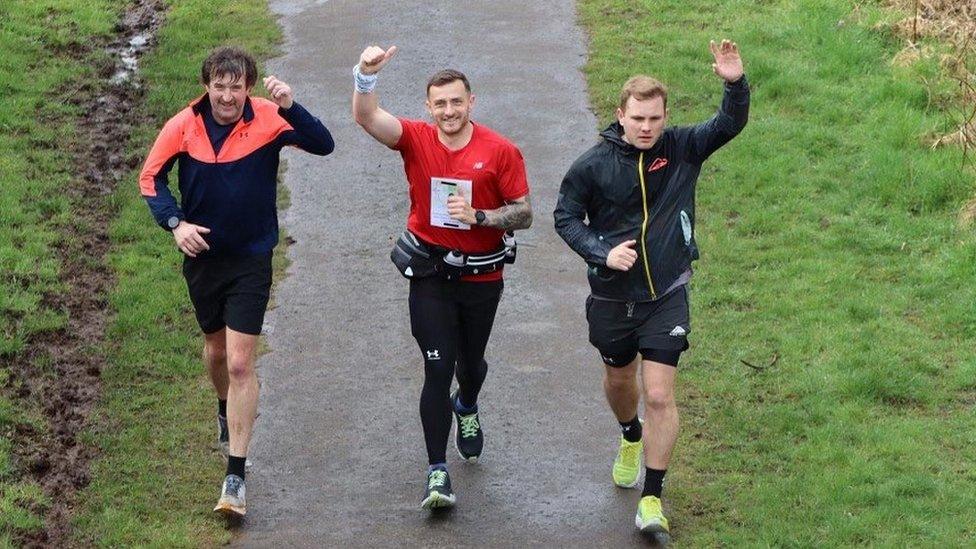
229 60
447 76
642 87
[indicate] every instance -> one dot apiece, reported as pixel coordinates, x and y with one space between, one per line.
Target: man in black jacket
627 206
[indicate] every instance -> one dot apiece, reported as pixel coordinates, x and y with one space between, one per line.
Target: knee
214 353
657 399
618 379
240 368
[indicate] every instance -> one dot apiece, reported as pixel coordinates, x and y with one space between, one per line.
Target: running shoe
223 437
628 463
439 493
231 502
468 438
650 518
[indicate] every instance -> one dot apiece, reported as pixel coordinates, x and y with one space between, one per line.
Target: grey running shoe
468 438
223 437
439 493
231 503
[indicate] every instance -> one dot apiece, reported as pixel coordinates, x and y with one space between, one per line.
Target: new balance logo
678 331
434 355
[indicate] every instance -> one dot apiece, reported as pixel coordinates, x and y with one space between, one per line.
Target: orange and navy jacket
233 193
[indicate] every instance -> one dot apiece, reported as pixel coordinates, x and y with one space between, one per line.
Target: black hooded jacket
616 192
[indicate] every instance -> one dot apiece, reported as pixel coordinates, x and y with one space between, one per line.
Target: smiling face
227 95
450 106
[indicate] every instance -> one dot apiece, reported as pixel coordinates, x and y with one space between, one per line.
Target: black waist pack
417 259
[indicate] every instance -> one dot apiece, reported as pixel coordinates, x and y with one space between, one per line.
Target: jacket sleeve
307 133
731 117
575 194
154 177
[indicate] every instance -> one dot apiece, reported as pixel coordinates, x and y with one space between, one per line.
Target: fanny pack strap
417 259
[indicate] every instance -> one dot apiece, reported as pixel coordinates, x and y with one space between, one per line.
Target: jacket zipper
643 186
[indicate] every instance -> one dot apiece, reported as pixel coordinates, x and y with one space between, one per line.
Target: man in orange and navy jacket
226 145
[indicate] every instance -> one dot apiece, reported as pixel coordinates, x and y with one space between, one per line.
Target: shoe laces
469 425
233 484
436 478
628 451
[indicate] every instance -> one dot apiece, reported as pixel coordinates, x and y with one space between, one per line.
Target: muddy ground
59 371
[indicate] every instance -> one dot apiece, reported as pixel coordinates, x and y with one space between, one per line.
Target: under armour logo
434 355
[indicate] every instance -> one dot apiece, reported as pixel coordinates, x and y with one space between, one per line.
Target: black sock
653 482
235 466
631 429
222 407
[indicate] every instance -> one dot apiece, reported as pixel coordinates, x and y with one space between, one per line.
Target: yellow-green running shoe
650 519
628 464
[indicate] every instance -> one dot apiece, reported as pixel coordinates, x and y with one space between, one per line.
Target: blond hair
642 87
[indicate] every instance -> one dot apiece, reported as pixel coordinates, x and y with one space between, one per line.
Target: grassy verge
45 65
159 474
829 240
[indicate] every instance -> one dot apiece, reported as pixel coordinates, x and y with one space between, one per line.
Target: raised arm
308 133
383 126
733 114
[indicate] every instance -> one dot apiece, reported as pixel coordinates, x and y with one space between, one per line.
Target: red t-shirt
491 163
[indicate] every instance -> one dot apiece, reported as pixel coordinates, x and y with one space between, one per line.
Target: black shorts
229 291
619 330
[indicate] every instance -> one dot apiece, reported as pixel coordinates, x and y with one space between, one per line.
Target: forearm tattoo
510 217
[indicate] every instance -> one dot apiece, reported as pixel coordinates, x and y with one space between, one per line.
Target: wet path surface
338 451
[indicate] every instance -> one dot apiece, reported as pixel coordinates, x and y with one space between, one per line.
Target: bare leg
623 394
242 394
661 414
215 358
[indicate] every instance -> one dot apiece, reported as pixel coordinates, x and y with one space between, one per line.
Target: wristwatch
173 222
479 217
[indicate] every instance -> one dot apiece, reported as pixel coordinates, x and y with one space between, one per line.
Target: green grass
829 239
45 64
158 475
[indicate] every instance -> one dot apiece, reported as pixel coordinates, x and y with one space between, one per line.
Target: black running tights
451 322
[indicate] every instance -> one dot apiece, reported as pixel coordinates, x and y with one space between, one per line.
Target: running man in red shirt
467 188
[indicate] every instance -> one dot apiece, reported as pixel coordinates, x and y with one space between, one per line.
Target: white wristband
365 83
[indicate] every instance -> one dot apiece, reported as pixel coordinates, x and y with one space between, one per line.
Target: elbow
362 119
328 148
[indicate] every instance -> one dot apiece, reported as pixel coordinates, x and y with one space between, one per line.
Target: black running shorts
619 329
229 291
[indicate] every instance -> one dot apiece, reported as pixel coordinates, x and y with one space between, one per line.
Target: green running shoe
650 518
439 493
628 464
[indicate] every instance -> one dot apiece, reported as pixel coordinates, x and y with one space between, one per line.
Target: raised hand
728 64
375 58
623 256
279 92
